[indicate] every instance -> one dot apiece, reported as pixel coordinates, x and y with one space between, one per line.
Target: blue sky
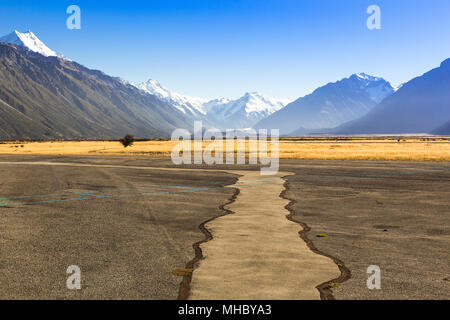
211 48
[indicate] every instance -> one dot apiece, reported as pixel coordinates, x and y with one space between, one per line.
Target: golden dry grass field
377 148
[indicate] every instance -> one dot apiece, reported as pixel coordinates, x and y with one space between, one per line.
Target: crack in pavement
325 287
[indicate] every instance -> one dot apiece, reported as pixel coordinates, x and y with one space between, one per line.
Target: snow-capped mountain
221 113
376 87
330 105
30 41
242 113
421 105
190 106
50 98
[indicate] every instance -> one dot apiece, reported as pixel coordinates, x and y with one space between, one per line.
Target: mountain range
192 107
330 105
44 95
52 98
421 105
220 113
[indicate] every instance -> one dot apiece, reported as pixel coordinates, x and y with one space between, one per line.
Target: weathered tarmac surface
256 252
128 228
126 244
395 215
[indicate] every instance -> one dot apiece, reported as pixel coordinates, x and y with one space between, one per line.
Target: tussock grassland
394 148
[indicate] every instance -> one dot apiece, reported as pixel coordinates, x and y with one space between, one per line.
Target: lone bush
127 141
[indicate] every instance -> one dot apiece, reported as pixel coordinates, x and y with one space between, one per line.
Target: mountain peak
445 63
364 77
29 32
154 82
29 40
330 105
376 87
420 106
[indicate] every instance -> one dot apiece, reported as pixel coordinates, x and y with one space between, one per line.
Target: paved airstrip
130 222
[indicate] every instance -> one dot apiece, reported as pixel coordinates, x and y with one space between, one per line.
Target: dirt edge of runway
185 285
325 288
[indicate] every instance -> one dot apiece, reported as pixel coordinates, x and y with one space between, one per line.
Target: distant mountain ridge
43 95
220 113
242 113
188 105
421 105
330 105
443 130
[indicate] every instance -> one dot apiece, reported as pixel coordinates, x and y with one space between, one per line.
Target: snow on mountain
30 41
377 88
208 106
420 106
221 113
330 105
224 113
49 98
188 105
244 112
